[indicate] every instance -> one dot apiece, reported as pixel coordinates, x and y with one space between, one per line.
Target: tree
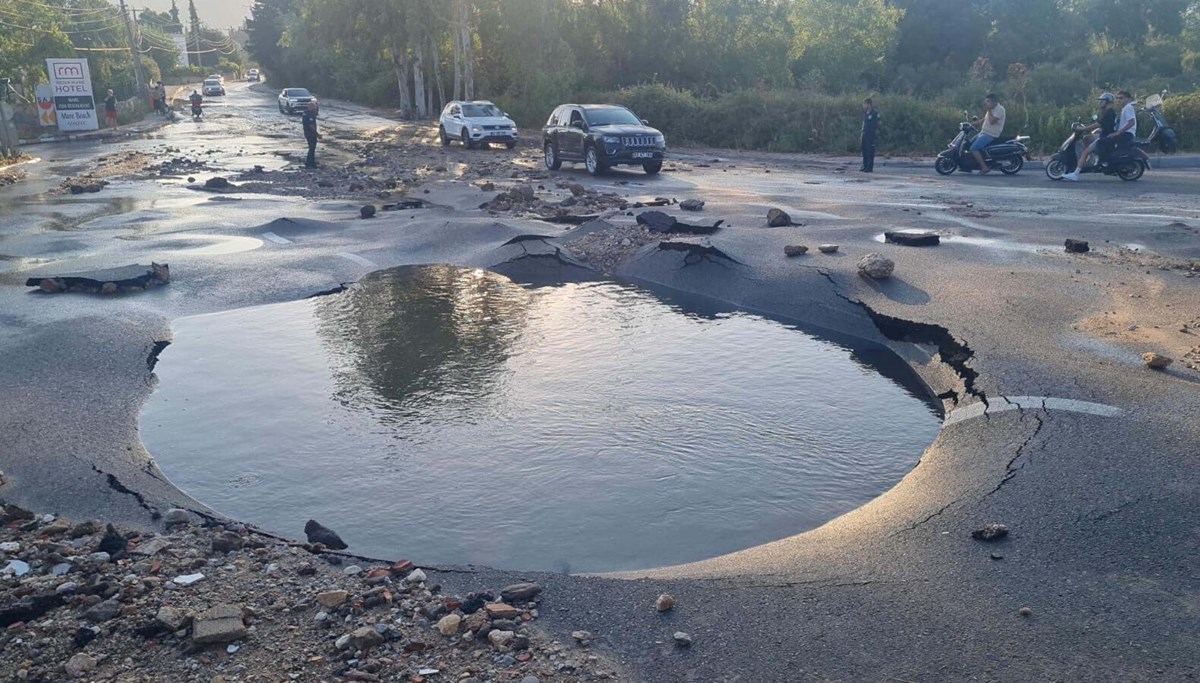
848 42
194 21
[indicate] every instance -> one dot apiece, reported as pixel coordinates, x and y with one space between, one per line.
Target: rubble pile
224 604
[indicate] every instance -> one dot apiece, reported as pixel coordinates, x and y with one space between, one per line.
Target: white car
252 75
292 100
219 77
476 124
212 87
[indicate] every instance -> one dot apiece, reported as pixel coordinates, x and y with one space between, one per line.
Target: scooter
1005 153
1163 134
197 110
1127 161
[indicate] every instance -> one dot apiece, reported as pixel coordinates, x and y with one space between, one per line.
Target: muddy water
452 416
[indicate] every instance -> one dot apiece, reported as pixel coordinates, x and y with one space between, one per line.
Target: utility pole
137 59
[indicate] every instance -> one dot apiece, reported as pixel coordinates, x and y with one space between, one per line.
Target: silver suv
476 124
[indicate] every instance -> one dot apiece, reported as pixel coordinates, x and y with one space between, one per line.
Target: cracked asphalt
1101 507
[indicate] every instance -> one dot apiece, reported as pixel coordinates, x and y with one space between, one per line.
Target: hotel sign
71 88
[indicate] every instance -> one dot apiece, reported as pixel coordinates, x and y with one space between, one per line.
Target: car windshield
611 116
212 81
477 110
296 92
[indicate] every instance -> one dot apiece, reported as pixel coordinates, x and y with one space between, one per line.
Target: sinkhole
452 416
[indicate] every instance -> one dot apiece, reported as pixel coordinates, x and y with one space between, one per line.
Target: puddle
182 244
452 416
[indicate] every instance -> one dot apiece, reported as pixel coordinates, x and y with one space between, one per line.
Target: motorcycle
1163 134
197 110
1005 153
1127 161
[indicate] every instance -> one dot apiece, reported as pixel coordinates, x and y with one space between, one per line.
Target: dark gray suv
601 136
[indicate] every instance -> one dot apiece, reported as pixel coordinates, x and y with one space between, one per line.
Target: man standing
992 128
310 133
110 110
869 126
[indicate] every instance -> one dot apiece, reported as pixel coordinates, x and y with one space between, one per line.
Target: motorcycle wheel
1012 165
1132 171
945 165
1168 145
1056 169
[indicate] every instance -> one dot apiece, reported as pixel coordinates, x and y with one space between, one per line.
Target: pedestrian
869 126
992 128
161 92
309 121
110 110
153 96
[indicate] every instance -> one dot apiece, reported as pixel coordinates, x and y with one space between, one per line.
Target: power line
69 10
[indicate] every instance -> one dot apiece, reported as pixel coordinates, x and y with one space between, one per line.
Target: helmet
1107 97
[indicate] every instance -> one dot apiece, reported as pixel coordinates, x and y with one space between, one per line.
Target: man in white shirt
992 128
1125 132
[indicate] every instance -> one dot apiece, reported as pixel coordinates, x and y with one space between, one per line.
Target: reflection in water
451 416
407 341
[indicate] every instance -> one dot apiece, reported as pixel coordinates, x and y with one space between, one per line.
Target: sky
219 14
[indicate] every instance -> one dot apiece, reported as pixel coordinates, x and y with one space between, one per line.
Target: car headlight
612 139
477 128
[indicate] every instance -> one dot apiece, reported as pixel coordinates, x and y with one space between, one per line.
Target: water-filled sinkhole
451 416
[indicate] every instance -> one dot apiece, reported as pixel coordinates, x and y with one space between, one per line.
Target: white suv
476 124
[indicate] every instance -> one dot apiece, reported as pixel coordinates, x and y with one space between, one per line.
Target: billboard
181 44
45 105
71 88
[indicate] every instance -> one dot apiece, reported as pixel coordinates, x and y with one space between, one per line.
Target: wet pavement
1090 460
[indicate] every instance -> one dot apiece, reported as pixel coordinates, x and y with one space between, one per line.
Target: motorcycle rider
197 99
992 128
1125 131
1107 125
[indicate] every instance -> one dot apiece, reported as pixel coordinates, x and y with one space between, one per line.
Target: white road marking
276 238
1007 403
358 259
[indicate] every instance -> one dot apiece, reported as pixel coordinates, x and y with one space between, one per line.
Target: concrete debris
876 267
1074 246
327 537
827 248
912 238
1156 361
778 218
991 532
795 250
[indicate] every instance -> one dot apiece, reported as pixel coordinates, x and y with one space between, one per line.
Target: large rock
448 625
795 250
1156 361
1076 246
333 599
692 205
520 591
656 221
219 624
177 516
217 183
778 218
913 238
876 267
327 537
368 211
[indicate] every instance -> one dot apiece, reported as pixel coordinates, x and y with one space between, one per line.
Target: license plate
643 155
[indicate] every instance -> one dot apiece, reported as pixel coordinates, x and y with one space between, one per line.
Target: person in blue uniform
310 133
869 126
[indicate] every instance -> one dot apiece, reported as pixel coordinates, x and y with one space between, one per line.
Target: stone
342 642
576 189
151 547
172 618
682 639
991 532
415 576
79 664
327 537
582 636
188 579
499 610
827 248
665 603
520 591
66 587
108 288
85 529
500 639
226 541
1156 361
16 568
448 625
912 238
876 267
692 205
333 599
219 624
1025 611
216 183
365 638
656 221
476 621
112 543
1074 246
367 211
778 218
10 547
795 250
177 516
103 611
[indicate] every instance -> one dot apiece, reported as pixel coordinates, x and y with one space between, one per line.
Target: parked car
476 123
212 87
292 100
601 136
252 75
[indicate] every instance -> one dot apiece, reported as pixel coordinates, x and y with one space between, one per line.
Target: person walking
110 110
869 126
309 122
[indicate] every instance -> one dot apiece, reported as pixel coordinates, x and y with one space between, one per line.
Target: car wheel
466 139
443 137
551 157
592 160
281 111
652 168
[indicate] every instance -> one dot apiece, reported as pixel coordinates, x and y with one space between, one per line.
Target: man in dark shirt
110 110
1107 124
310 133
869 126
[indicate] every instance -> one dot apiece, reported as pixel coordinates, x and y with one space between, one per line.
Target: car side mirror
645 122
